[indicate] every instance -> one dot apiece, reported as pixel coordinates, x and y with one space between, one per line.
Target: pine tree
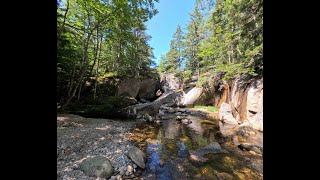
193 38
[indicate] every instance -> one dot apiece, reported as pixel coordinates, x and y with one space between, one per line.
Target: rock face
244 96
170 82
238 100
97 166
257 121
148 88
255 105
190 84
225 114
192 96
145 89
129 86
137 156
212 92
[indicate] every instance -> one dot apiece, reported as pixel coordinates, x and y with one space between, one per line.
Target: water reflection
168 145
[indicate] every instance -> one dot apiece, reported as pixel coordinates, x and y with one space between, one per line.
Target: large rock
148 89
225 114
210 93
137 156
97 166
256 121
147 117
192 96
145 89
129 86
227 129
212 148
239 98
171 82
255 105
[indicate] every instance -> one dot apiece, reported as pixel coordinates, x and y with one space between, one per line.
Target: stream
169 144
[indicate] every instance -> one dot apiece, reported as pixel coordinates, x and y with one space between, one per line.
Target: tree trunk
92 67
82 71
97 70
198 66
72 80
65 16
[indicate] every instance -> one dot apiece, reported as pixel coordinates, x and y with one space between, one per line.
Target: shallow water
167 147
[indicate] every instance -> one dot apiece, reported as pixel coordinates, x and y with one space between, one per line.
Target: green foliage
101 39
172 60
235 43
222 37
201 81
162 64
187 75
193 38
208 108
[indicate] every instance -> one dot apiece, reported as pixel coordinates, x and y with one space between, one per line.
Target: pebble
119 177
122 171
130 168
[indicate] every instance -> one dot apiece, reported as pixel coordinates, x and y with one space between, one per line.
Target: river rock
186 121
212 148
122 171
245 130
158 121
225 114
97 166
250 147
148 117
197 159
137 156
130 168
164 107
119 177
161 113
222 175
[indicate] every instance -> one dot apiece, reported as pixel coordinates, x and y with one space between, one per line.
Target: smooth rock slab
137 156
97 166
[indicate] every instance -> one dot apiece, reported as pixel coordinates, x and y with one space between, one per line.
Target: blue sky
162 26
